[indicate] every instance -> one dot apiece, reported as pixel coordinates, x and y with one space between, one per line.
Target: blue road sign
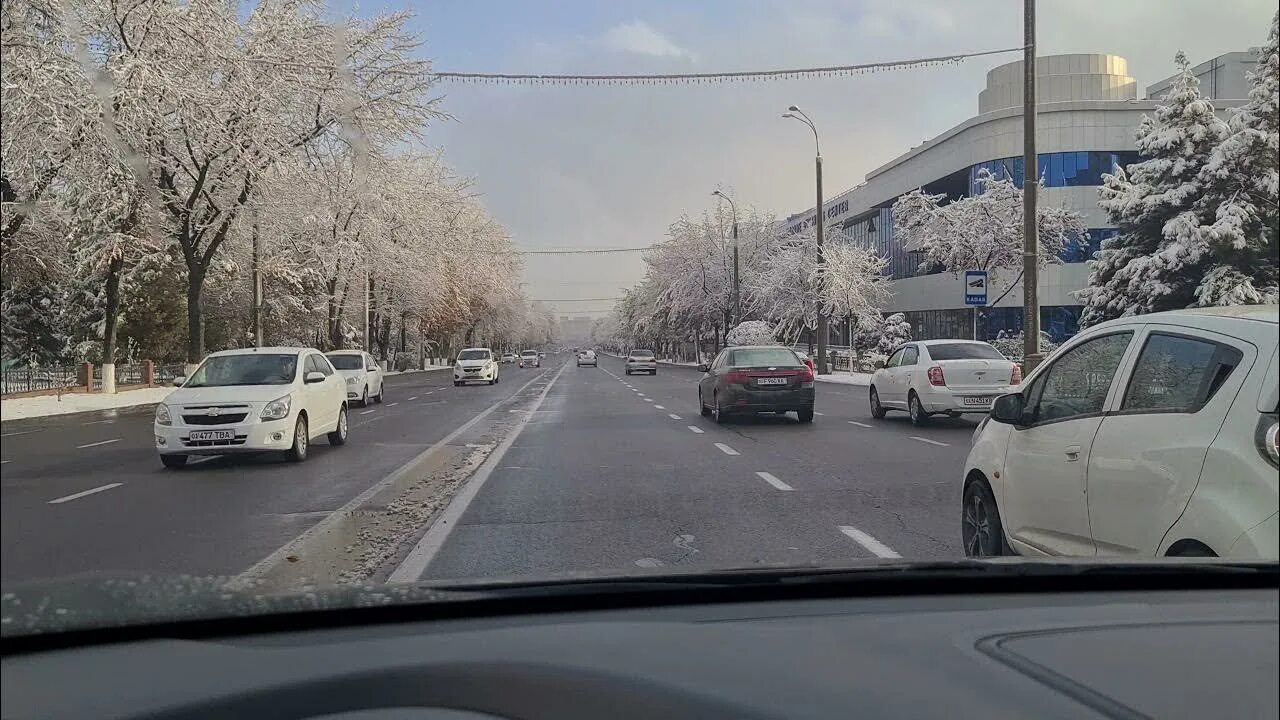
975 287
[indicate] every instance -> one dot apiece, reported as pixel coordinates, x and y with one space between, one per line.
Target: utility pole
737 285
368 347
1030 184
257 283
798 114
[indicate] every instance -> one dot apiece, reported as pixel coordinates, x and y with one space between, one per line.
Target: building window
1062 169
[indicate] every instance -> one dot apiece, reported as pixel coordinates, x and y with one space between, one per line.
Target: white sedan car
1146 436
529 358
362 373
587 357
949 377
475 364
252 400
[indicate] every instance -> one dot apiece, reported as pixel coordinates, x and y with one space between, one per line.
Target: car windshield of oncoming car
347 362
763 357
964 351
246 369
473 355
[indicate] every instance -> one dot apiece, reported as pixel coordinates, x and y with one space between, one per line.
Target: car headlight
351 381
162 415
277 409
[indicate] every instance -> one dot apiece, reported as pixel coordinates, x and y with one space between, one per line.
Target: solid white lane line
392 404
5 462
98 422
931 442
696 429
19 432
815 412
726 449
859 424
674 416
365 412
659 407
103 442
77 496
876 547
769 478
415 397
420 557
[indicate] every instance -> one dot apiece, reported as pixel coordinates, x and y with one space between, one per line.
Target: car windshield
346 362
908 309
964 351
249 369
760 357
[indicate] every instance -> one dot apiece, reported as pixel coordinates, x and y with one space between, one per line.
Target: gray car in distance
754 379
642 361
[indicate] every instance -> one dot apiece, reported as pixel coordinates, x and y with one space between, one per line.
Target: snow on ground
843 378
44 405
429 368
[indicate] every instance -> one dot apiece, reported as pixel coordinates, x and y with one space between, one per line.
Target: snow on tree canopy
751 332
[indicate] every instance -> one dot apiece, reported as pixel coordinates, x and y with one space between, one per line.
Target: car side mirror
178 381
1009 408
314 376
704 368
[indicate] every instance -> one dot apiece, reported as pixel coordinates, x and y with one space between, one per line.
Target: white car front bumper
481 374
252 435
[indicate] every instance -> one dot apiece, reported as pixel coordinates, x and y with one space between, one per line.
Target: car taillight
935 376
1265 437
808 362
1015 378
807 376
737 377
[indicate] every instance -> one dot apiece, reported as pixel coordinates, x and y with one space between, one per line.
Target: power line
584 251
715 77
609 299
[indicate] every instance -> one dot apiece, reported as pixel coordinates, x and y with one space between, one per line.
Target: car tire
382 389
717 415
339 434
919 417
877 410
628 372
497 378
301 441
981 531
364 397
806 415
702 407
492 381
457 383
173 461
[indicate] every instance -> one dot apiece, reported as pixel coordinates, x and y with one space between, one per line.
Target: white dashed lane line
19 432
726 449
96 444
696 429
392 404
84 493
774 481
415 397
859 424
674 416
658 407
931 442
815 412
365 412
876 547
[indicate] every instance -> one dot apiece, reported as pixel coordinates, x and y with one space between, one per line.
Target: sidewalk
45 405
844 378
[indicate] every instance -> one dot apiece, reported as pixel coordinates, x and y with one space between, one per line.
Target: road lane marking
648 399
774 481
859 424
931 442
392 404
726 449
674 416
420 557
658 407
102 442
5 462
696 429
415 397
84 493
19 432
876 547
819 414
365 412
98 422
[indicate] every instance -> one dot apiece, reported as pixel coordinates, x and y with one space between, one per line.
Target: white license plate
771 381
212 435
978 400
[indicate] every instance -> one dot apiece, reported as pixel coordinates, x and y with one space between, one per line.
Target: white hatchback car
252 400
949 377
475 364
1147 436
362 374
587 357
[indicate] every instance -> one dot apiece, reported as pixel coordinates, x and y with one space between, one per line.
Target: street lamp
796 113
737 287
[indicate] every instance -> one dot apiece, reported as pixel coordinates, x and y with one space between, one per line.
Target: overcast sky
613 167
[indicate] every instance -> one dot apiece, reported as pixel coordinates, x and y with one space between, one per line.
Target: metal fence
126 374
166 374
20 380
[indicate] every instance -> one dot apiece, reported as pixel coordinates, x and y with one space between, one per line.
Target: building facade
1087 114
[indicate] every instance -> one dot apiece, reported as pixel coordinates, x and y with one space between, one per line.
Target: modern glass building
1087 114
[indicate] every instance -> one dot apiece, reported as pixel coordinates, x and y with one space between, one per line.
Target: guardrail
53 377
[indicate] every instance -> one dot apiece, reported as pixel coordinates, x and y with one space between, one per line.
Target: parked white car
950 377
529 358
1146 436
362 373
475 364
641 361
587 357
252 400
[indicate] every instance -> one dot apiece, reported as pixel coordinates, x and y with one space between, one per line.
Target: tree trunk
110 321
195 315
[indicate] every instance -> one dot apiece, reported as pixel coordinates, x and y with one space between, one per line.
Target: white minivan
1146 436
252 400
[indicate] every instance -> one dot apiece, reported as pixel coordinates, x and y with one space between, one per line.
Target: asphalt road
608 473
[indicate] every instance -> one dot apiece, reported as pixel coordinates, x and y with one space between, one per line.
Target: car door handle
1073 453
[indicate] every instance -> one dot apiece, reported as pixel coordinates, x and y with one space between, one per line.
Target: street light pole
798 114
1030 184
737 285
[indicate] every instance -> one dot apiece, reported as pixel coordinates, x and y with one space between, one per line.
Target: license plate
978 400
771 381
212 435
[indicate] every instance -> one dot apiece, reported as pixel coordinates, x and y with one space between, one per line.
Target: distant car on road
529 358
252 400
362 373
1145 436
950 377
587 357
754 379
475 364
542 355
641 361
510 357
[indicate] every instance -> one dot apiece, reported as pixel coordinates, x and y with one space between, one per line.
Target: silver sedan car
642 361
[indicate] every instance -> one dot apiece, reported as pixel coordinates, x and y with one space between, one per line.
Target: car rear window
642 353
964 351
347 362
757 357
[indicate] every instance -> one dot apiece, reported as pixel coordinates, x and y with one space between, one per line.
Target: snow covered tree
751 332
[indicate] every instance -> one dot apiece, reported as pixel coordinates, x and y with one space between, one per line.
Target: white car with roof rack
949 377
252 400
